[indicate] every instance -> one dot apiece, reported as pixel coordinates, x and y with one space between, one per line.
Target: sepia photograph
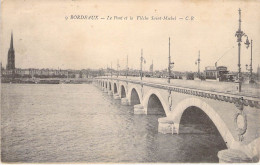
130 81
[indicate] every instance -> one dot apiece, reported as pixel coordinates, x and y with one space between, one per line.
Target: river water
74 123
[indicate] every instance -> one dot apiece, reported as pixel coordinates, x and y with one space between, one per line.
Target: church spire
11 43
11 56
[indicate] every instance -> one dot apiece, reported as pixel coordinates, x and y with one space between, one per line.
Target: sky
44 38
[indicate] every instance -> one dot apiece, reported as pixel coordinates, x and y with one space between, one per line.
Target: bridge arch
122 91
154 96
209 111
115 88
109 86
134 95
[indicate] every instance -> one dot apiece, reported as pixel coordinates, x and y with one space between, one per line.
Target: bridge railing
237 98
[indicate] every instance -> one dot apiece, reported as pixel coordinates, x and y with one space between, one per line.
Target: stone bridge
235 115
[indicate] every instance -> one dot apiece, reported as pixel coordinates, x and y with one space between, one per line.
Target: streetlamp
239 34
151 68
170 64
198 62
126 67
251 65
141 64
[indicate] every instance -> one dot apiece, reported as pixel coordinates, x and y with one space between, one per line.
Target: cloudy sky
44 38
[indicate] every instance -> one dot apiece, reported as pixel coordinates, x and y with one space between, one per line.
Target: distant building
11 56
12 72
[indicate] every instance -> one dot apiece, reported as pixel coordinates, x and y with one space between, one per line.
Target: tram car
219 73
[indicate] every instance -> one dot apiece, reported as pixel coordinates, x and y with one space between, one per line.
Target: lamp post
141 64
198 62
126 66
239 34
251 64
170 64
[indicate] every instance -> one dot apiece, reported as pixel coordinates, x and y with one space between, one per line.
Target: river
77 123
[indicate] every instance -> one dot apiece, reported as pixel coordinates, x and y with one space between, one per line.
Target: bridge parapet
236 98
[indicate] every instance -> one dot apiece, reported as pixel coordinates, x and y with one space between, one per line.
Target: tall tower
11 56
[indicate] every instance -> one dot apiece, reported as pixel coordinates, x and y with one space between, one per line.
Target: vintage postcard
116 81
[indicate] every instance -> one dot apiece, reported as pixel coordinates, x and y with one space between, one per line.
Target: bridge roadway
215 86
236 119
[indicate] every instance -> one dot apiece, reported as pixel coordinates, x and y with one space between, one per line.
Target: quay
48 81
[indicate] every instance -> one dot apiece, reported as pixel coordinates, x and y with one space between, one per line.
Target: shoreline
47 81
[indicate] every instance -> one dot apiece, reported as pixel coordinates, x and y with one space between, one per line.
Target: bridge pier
241 153
110 93
233 156
116 96
139 110
166 126
124 101
104 90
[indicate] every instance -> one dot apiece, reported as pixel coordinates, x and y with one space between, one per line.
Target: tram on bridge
219 73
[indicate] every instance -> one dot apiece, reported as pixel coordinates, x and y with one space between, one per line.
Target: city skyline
48 40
